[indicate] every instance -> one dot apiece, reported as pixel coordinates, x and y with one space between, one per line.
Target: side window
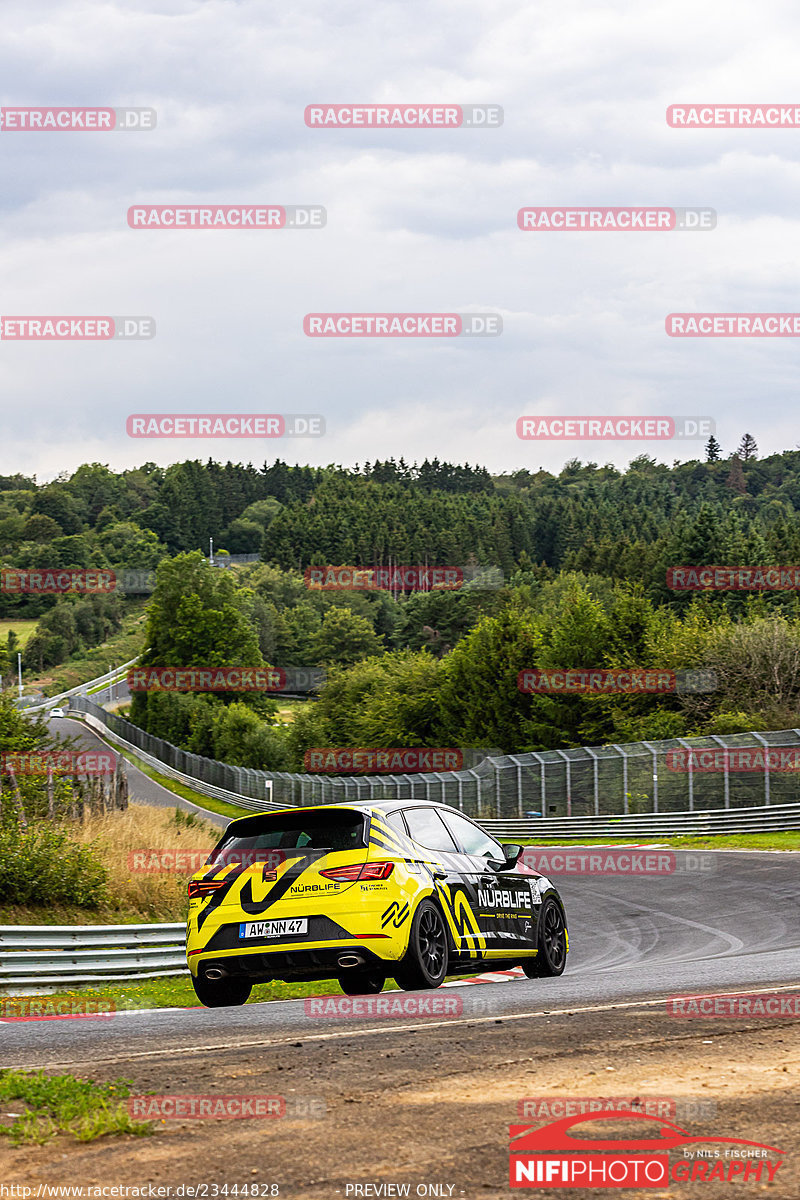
427 828
395 821
472 839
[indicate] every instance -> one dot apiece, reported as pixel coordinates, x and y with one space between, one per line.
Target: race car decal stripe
403 843
289 877
461 917
396 913
294 872
379 842
216 898
408 846
404 848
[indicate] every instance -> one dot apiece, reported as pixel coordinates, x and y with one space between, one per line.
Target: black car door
504 900
453 877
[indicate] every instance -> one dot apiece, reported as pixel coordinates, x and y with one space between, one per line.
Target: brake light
204 887
370 870
376 870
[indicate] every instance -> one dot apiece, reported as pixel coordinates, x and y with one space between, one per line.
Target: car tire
425 963
362 983
552 943
221 993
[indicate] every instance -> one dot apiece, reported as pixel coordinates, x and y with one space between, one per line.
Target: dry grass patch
142 835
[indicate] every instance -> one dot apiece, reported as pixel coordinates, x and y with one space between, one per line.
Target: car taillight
370 870
204 887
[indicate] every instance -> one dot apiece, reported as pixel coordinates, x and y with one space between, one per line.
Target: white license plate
273 929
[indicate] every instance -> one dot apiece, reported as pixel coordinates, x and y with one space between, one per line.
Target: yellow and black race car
362 891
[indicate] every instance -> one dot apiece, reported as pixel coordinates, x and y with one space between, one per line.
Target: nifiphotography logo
555 1156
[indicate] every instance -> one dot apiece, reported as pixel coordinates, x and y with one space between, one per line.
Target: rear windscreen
307 829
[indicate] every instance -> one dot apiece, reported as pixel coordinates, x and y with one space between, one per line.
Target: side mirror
512 854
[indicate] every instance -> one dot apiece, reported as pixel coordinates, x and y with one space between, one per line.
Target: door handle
439 874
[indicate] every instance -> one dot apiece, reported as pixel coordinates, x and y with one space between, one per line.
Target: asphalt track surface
720 921
142 788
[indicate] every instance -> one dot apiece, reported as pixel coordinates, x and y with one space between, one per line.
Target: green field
23 629
120 648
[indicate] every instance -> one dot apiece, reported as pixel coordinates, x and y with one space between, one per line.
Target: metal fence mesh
636 778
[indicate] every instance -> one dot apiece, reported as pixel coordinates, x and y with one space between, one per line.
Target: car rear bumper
296 963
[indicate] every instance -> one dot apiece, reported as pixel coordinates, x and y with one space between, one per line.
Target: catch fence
738 771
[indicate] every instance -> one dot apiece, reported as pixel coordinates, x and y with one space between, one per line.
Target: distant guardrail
777 818
43 956
82 688
191 781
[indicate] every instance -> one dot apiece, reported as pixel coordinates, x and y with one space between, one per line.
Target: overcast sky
418 221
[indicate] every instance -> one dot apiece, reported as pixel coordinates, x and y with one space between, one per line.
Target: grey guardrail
776 818
191 781
82 688
46 956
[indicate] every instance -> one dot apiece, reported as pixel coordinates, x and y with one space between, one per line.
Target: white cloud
417 221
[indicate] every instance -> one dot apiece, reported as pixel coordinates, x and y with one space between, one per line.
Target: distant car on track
360 892
58 712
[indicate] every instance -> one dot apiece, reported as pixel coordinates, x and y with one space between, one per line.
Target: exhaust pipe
215 973
350 960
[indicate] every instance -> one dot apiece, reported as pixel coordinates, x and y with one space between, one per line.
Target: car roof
389 804
384 804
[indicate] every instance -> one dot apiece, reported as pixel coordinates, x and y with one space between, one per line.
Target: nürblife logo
555 1156
503 898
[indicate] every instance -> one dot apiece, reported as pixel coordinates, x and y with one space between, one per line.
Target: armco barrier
114 676
780 818
41 956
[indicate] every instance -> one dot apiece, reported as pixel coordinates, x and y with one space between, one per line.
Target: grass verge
722 841
175 991
51 1104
